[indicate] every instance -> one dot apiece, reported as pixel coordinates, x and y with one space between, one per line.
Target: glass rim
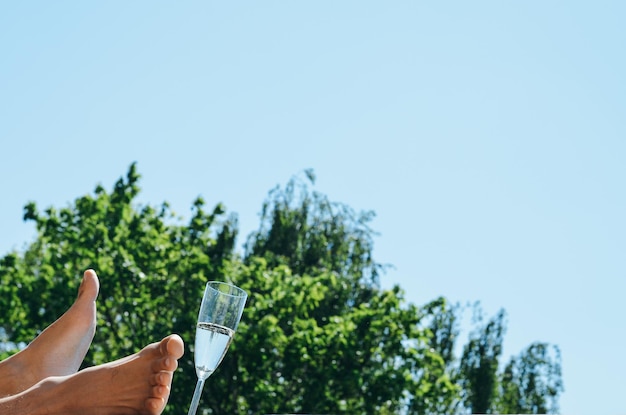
240 292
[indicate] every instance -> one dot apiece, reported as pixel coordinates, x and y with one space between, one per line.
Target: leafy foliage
531 382
479 365
318 334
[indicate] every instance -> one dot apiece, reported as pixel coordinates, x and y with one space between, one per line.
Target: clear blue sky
488 136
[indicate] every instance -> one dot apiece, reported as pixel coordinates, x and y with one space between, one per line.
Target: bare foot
60 348
135 385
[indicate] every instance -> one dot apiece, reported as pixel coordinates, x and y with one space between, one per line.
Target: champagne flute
220 312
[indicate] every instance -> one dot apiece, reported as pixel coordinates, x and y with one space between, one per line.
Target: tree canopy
318 334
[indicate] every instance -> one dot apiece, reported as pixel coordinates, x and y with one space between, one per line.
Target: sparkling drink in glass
220 312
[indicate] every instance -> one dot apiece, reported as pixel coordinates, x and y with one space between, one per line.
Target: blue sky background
488 137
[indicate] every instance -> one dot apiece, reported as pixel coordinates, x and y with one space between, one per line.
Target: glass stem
196 397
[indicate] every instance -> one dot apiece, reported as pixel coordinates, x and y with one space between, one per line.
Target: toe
162 378
90 285
154 405
167 364
161 391
173 346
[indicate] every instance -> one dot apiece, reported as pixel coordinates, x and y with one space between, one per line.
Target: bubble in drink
212 341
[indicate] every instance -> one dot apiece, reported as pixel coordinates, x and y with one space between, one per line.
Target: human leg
60 348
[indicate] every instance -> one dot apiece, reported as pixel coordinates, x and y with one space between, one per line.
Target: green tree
441 320
531 382
479 365
318 333
368 352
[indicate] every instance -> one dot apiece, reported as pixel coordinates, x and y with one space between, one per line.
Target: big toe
173 346
90 286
